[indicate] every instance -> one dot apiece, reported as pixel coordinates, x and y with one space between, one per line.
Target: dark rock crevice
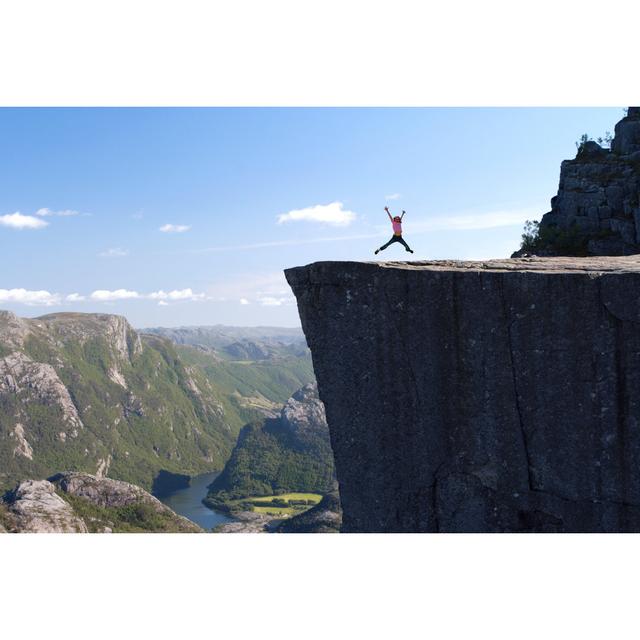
514 377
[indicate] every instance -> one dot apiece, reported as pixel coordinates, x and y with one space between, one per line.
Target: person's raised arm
388 213
403 212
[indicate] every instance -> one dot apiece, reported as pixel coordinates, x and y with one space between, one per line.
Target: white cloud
162 303
273 301
102 295
32 298
116 252
244 301
393 196
64 212
75 297
488 220
18 221
181 294
175 228
332 214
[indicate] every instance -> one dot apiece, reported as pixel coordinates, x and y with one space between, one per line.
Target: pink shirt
397 228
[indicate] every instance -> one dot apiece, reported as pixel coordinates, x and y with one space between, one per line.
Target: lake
187 502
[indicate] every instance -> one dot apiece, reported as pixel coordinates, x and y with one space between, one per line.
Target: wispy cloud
272 301
103 295
287 243
116 252
175 228
64 212
244 301
177 294
456 222
464 222
31 298
163 303
45 298
332 214
393 196
19 221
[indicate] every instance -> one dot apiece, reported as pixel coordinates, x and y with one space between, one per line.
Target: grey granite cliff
495 396
597 208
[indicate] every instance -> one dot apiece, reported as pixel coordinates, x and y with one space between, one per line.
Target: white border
335 52
138 52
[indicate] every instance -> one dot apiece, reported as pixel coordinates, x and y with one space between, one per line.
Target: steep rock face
597 209
21 376
480 396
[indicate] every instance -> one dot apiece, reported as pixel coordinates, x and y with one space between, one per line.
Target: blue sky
188 216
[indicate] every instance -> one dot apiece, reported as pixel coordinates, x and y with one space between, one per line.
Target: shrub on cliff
552 240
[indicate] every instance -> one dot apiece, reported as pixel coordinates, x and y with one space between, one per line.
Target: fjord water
187 502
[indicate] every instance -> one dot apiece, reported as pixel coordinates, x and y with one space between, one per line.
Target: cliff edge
488 396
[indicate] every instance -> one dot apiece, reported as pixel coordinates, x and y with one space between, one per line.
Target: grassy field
255 503
290 496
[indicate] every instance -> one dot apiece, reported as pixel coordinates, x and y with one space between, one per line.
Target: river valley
187 502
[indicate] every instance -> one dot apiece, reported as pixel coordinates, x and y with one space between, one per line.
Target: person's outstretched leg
384 246
406 246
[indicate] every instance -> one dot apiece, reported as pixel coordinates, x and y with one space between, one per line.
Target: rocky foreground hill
83 503
494 396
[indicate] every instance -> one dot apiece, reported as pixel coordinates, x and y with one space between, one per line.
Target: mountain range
88 393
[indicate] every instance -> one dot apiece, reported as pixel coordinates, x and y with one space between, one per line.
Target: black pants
395 239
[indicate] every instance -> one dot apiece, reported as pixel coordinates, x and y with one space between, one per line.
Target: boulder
36 508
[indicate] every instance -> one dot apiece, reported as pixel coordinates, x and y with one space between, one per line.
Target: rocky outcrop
325 517
41 506
22 448
248 522
597 208
21 376
13 330
35 507
79 328
304 412
480 396
103 492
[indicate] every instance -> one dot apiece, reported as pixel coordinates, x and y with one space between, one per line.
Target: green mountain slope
250 390
85 392
291 453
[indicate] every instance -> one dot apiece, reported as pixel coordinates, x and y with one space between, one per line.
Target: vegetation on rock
291 453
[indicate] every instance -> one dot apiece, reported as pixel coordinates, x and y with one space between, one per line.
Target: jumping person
396 223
